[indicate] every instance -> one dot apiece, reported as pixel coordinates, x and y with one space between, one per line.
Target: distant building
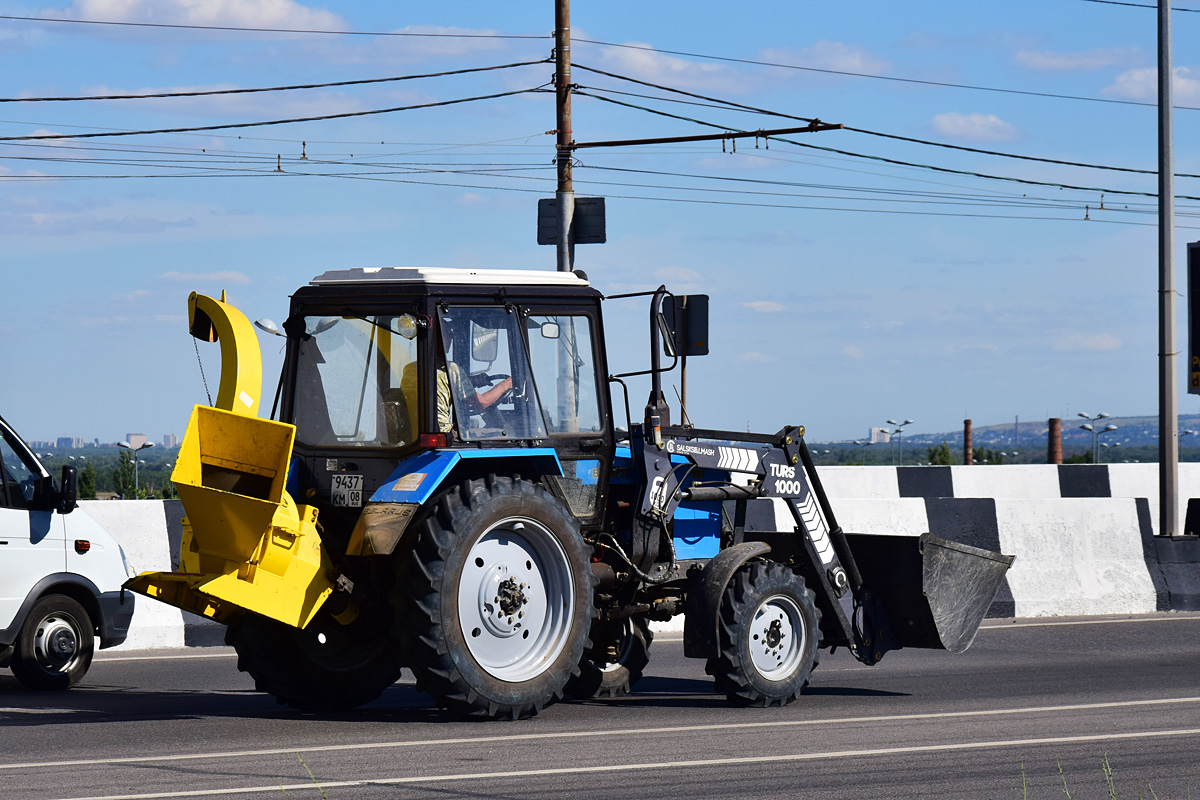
69 442
170 440
880 436
135 439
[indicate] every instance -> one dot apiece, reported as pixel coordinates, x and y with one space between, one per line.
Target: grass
313 778
1145 791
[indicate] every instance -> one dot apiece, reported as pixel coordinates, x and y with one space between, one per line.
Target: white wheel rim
516 599
777 638
56 643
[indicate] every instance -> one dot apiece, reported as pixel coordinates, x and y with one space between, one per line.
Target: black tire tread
728 668
267 652
23 663
419 572
593 682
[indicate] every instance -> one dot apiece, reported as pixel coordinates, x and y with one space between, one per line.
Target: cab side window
564 366
19 480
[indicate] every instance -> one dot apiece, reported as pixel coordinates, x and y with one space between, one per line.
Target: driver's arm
488 399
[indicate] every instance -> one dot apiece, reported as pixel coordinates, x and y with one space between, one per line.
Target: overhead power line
230 125
754 109
276 30
1140 5
211 92
898 162
892 78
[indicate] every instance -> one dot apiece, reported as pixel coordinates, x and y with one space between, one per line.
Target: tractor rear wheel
494 599
768 628
327 666
614 663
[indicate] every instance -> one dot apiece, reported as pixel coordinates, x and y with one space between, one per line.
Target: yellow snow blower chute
246 546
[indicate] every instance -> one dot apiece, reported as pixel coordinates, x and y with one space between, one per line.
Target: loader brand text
683 448
786 485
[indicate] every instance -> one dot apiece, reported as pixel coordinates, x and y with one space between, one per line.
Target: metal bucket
935 592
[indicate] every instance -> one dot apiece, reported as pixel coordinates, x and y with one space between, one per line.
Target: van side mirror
68 493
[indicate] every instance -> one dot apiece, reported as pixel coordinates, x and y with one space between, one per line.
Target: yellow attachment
247 545
241 360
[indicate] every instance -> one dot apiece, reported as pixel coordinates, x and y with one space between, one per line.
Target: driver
476 401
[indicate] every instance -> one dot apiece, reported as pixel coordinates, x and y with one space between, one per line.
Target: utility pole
1168 419
565 196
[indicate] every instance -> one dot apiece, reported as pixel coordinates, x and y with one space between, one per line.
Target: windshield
356 383
485 389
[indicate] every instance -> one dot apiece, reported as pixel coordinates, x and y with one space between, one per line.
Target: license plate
347 491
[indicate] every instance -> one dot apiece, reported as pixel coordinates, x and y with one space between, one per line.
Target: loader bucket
935 592
230 475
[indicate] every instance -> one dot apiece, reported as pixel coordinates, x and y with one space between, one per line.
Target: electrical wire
882 159
945 145
1140 5
891 78
213 92
182 26
344 115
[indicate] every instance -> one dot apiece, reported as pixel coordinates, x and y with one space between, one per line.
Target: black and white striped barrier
1083 535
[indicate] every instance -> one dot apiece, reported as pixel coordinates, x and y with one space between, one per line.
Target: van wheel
55 645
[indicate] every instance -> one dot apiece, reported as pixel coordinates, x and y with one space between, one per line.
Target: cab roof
446 275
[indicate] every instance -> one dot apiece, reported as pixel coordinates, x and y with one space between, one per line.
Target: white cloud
1083 341
954 349
764 306
471 199
1050 61
1142 84
676 274
852 351
827 54
639 60
224 276
978 127
235 13
756 358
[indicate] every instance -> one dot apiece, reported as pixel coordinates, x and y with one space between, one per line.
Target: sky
846 289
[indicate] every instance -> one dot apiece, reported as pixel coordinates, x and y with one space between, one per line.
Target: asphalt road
1000 721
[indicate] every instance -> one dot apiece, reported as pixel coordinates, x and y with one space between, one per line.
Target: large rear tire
326 666
55 645
769 626
494 599
614 663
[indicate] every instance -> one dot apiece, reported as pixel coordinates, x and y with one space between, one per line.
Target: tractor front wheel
768 627
494 599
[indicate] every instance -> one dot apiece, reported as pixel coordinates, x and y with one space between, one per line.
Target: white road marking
625 732
178 657
1165 618
641 766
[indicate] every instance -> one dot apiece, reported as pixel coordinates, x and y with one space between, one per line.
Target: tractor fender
700 623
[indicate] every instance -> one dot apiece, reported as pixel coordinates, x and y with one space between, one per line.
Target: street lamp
899 432
1107 446
1088 426
142 446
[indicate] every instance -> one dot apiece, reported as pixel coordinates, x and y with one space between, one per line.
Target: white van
60 574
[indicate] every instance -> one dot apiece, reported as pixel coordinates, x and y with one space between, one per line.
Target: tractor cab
387 364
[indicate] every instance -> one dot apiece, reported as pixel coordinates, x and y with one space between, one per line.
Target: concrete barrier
1083 536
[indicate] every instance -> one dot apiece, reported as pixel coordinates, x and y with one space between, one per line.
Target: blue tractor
453 490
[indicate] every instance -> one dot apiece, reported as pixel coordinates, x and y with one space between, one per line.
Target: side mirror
549 330
68 493
485 344
683 323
